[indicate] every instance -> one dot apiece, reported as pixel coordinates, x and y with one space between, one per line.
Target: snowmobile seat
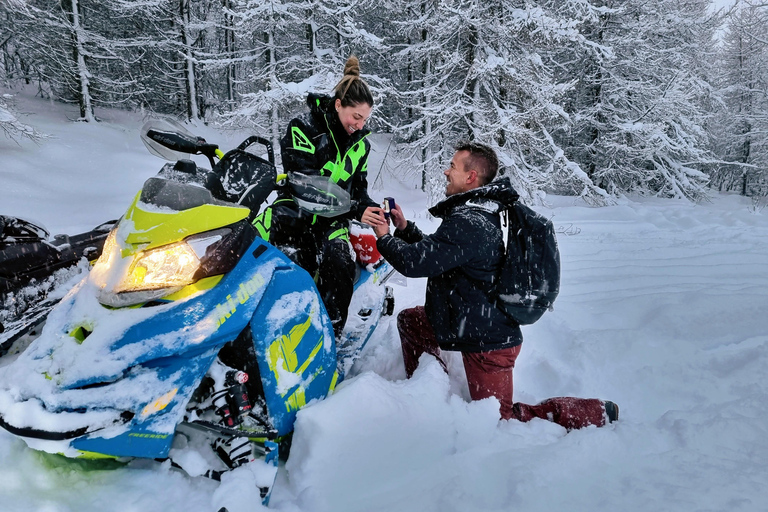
247 178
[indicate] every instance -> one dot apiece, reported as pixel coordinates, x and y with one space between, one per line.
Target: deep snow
662 309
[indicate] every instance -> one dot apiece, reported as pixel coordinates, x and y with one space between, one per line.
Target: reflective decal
301 142
159 404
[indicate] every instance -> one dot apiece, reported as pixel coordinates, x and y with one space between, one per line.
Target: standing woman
329 140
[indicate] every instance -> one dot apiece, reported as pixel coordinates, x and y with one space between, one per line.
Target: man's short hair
482 158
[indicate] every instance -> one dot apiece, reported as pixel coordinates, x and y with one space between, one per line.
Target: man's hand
398 219
381 229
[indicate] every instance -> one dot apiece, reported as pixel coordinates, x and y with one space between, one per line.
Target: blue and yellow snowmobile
190 331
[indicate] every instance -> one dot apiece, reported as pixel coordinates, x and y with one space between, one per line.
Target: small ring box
388 205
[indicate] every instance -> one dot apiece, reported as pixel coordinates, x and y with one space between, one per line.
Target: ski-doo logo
248 288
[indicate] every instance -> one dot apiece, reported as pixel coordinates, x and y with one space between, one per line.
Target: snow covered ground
663 309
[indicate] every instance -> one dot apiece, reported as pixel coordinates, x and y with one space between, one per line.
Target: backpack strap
524 241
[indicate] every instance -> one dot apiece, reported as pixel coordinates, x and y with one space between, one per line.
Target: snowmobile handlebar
175 137
183 143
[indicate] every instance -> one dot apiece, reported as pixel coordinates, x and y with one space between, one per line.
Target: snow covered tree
637 108
297 47
479 73
77 49
15 65
12 127
589 97
741 127
273 30
170 74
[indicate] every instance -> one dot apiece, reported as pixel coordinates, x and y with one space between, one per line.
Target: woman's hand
374 217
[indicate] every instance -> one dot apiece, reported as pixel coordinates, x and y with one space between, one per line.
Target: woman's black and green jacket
316 143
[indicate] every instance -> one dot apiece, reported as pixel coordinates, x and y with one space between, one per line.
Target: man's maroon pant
490 374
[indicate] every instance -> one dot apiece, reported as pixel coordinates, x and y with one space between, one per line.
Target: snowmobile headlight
144 276
109 248
170 266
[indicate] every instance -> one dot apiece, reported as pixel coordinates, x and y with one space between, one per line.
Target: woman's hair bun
352 67
352 90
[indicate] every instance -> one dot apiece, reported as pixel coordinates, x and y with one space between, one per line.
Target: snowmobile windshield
318 195
15 230
177 196
167 130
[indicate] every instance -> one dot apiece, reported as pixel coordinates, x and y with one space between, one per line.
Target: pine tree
637 110
78 50
479 72
742 122
300 47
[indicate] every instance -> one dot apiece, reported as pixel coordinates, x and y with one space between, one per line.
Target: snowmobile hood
89 344
135 364
164 212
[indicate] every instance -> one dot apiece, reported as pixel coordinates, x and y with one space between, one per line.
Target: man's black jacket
460 260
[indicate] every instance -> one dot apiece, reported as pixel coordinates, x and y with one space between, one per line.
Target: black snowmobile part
218 430
42 434
213 474
15 230
187 171
255 139
183 143
10 332
247 178
23 259
47 435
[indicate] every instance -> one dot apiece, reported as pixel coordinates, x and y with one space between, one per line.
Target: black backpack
529 279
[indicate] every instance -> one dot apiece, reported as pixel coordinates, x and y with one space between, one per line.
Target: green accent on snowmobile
95 456
156 228
334 381
81 332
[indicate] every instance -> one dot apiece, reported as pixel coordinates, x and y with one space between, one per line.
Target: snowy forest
592 98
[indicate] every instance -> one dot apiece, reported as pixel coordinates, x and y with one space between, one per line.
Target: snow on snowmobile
191 333
31 265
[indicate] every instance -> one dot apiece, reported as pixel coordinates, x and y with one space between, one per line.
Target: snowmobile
191 333
31 263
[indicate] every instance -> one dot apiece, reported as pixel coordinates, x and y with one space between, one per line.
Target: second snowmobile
32 263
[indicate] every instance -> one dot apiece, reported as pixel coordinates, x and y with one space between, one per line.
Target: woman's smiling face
353 117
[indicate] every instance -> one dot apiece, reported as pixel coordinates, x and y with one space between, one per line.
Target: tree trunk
81 69
272 67
189 68
426 69
229 47
473 84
